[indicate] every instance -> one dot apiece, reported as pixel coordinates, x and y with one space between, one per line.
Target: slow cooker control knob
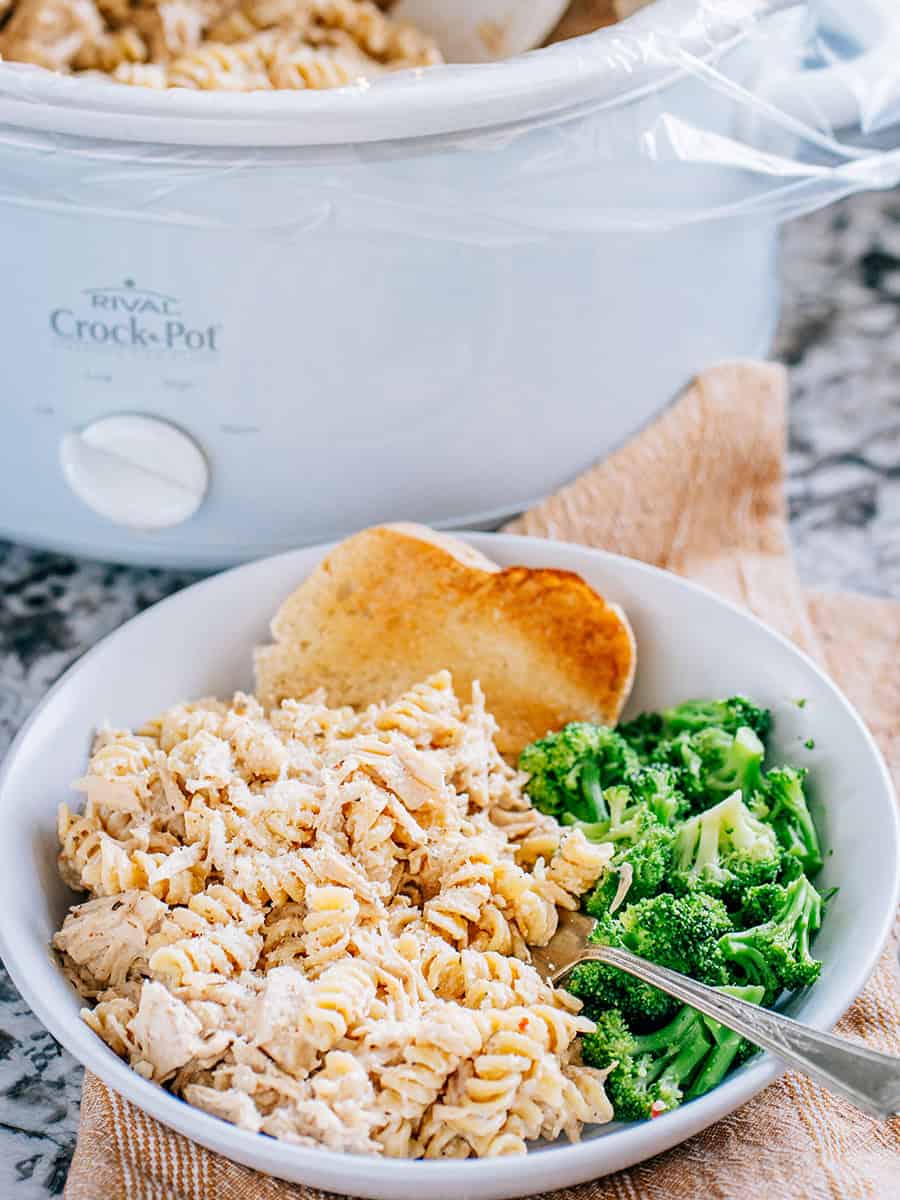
136 471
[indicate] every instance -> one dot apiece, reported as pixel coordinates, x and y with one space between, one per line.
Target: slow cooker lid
604 67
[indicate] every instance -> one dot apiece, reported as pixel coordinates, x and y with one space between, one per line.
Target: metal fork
866 1078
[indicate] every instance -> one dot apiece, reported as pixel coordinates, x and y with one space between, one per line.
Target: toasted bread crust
393 604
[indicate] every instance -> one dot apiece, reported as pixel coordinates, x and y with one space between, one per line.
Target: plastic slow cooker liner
792 106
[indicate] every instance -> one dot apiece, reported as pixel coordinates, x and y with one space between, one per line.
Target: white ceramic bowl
690 644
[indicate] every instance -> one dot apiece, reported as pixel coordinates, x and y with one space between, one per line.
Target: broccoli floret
647 731
570 769
774 953
680 932
626 820
598 900
658 787
782 804
761 903
601 987
729 715
730 763
712 763
723 851
643 735
655 1071
791 869
647 863
643 846
611 1041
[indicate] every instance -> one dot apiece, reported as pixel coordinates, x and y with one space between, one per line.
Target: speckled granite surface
841 335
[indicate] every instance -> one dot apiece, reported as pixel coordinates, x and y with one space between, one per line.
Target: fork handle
868 1079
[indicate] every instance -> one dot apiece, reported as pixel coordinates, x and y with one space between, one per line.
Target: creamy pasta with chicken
314 923
234 45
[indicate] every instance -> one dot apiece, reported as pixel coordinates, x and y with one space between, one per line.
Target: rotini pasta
315 923
331 915
233 45
236 45
215 933
436 1049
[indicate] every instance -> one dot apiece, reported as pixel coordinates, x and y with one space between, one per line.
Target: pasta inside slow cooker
237 45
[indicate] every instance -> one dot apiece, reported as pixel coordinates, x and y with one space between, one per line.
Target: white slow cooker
232 324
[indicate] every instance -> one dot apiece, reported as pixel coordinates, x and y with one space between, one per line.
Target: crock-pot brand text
132 318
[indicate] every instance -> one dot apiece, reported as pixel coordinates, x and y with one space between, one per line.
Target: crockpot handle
844 94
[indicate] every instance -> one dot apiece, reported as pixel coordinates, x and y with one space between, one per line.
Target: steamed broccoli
625 819
730 1048
646 732
782 804
643 842
791 869
730 762
761 904
729 715
601 987
712 763
709 855
723 851
679 932
570 769
774 951
657 785
652 1070
647 863
655 1071
643 735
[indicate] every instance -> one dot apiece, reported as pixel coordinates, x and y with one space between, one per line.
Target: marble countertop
840 333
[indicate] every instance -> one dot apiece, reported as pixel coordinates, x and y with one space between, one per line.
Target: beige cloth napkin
700 492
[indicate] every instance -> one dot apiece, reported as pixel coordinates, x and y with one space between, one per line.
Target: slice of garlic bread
395 603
